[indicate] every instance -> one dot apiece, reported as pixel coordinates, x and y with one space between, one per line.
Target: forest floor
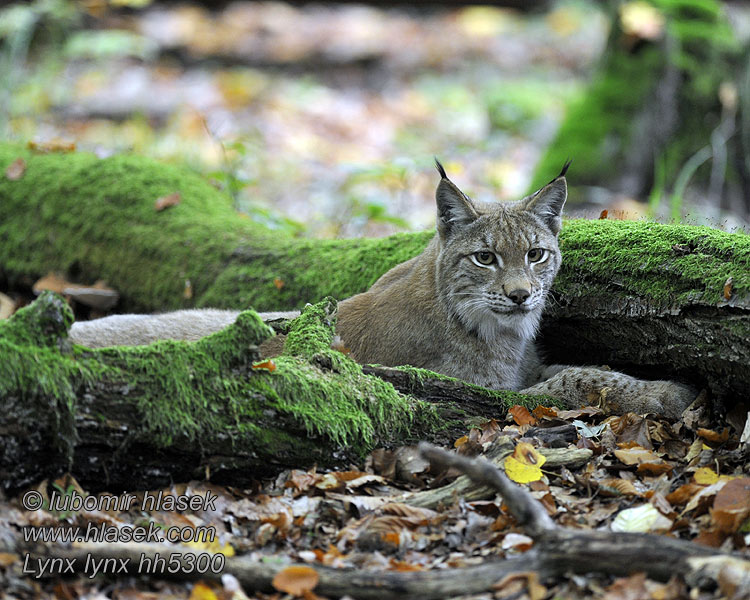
323 120
643 474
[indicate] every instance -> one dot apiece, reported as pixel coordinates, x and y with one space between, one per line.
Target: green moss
312 332
200 392
38 375
503 398
75 210
670 264
287 272
179 386
326 394
597 125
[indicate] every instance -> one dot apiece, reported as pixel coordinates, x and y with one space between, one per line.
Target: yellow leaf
202 592
705 476
524 465
484 21
461 441
214 546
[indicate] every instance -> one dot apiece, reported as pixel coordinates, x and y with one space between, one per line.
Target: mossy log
669 301
138 418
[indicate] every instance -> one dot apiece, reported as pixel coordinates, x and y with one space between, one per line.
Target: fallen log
138 418
655 300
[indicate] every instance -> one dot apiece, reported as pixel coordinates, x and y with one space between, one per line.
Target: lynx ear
547 203
454 207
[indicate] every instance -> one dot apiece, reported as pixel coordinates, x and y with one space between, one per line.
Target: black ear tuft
455 209
562 173
565 168
440 168
547 203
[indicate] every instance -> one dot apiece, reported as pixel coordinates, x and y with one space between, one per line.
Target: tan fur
450 311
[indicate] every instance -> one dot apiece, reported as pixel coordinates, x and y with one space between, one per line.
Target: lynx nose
518 296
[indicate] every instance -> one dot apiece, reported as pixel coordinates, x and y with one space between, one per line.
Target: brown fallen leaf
683 494
713 436
296 580
654 468
628 588
400 565
265 365
521 415
517 542
544 412
637 455
7 559
710 537
514 585
728 288
164 202
603 214
16 169
278 283
52 282
732 505
617 487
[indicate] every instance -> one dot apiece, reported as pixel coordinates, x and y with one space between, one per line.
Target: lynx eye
484 257
536 254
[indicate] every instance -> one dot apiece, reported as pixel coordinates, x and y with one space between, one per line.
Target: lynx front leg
617 392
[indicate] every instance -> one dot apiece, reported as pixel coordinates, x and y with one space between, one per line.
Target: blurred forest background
323 119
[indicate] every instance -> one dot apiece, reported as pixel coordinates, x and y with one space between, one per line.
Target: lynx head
496 261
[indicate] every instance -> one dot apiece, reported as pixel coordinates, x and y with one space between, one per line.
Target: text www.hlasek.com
107 533
91 564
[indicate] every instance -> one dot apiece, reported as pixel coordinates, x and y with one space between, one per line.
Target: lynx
468 306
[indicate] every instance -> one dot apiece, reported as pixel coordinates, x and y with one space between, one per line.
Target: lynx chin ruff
468 306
